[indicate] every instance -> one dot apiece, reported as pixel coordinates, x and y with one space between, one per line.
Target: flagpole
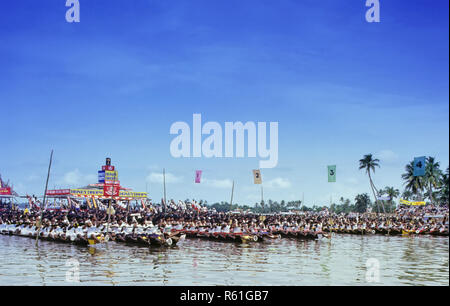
164 183
232 192
109 214
45 194
262 197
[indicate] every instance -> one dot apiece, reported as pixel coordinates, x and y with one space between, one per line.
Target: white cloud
253 198
351 180
278 182
153 167
387 156
32 177
19 188
156 177
75 177
226 183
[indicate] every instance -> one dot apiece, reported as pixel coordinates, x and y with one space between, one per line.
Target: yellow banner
132 194
417 203
99 193
86 192
89 202
95 203
111 176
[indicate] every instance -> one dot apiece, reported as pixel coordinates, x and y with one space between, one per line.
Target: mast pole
262 198
43 202
232 192
164 183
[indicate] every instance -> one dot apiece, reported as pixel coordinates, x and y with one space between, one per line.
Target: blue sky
113 84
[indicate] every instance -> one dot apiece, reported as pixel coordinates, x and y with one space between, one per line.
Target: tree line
433 188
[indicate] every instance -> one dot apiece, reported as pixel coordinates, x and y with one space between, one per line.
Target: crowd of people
169 224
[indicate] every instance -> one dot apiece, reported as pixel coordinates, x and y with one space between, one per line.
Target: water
418 260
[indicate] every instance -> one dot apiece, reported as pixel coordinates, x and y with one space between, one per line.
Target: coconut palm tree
362 202
412 183
444 188
369 163
407 194
392 193
432 176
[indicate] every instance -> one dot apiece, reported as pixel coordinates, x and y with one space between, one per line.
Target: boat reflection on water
342 260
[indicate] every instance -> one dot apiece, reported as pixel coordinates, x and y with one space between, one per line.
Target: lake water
420 260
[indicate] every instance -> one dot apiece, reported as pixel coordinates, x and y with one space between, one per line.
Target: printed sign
58 192
111 190
5 191
332 174
132 194
417 203
257 176
86 192
419 166
101 176
106 175
198 176
100 193
111 176
112 182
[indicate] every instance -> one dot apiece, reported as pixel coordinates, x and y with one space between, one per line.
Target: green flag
332 174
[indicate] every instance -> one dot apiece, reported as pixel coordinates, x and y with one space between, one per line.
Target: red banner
58 192
112 182
5 191
103 184
111 190
107 168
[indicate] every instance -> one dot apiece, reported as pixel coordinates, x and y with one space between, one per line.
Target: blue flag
419 166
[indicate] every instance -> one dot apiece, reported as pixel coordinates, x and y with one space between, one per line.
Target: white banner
384 198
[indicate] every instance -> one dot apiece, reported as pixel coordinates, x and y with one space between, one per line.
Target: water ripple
339 261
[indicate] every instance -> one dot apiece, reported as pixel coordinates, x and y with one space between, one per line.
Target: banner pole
232 192
43 202
164 183
262 197
109 215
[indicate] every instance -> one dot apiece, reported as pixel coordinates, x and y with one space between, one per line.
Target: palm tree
432 176
392 193
444 188
368 163
407 194
412 183
362 201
